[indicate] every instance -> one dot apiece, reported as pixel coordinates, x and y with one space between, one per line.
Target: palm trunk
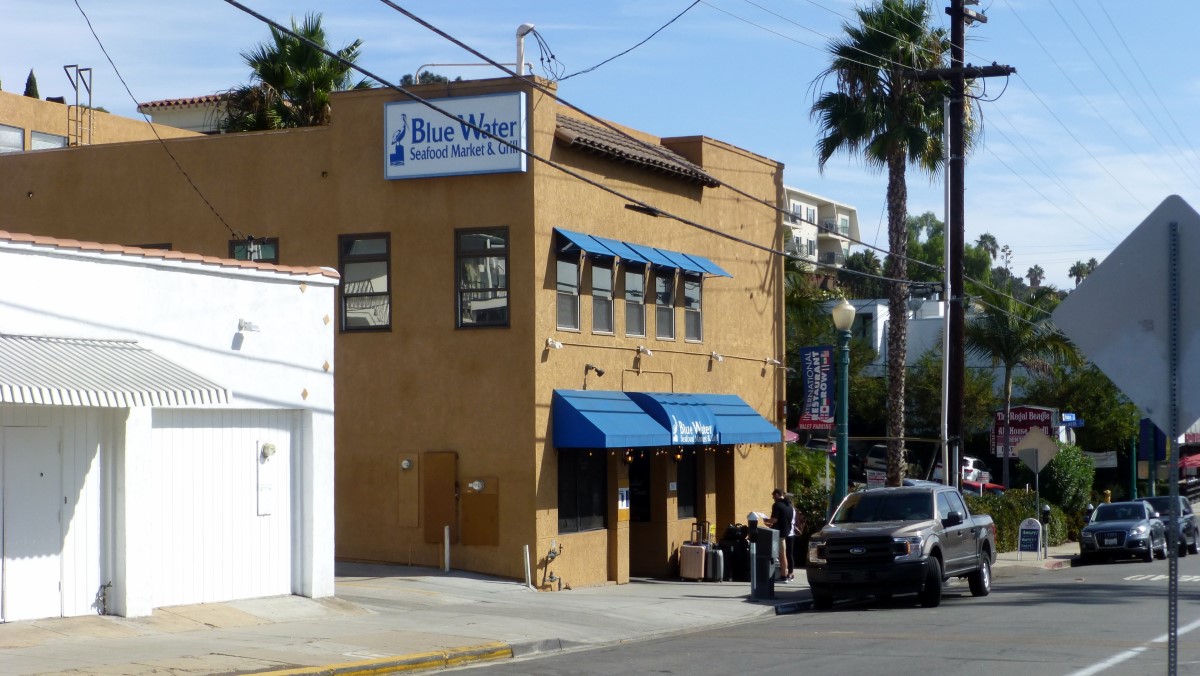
897 347
1007 414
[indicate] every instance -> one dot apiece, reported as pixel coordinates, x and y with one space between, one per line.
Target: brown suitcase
691 561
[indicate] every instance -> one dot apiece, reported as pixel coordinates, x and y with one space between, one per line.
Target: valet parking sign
421 142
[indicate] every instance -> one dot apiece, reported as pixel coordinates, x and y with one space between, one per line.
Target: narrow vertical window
602 296
364 262
635 300
481 272
685 485
693 316
664 301
568 291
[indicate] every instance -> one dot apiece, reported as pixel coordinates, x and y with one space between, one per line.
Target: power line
617 56
162 143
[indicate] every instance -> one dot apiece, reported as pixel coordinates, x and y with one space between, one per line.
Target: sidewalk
395 618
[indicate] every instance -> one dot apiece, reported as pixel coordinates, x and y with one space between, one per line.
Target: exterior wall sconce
476 485
678 455
406 464
589 367
716 357
771 361
628 457
247 326
552 344
642 349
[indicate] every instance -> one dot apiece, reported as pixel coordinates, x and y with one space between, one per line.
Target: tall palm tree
987 242
1035 275
290 81
1013 333
878 111
1078 271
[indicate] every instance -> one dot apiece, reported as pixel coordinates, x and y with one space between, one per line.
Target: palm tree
1035 275
290 81
1014 333
987 242
878 111
1078 271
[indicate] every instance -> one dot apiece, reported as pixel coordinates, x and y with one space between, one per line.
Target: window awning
607 419
102 373
602 419
640 253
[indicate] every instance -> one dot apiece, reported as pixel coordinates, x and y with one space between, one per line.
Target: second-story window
664 304
602 296
364 261
693 317
482 277
567 286
12 139
264 250
635 300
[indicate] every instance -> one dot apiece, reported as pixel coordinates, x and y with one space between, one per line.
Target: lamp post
843 319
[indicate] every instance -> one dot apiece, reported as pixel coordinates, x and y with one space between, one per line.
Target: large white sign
419 141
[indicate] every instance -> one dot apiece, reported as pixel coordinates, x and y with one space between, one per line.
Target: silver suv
1187 521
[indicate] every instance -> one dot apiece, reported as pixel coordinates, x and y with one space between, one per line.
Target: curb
438 659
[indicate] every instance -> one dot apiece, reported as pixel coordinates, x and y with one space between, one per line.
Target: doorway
31 463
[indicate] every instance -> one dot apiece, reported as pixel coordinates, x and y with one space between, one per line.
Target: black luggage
714 568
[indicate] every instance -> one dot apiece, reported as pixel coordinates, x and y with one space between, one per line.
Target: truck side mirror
953 519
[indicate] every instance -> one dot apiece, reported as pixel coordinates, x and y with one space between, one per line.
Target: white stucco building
819 229
166 426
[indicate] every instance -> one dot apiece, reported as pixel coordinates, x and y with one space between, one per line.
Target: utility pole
957 75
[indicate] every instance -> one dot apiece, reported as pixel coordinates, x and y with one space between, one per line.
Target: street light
843 319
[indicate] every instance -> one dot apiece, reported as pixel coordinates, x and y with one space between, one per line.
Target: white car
973 469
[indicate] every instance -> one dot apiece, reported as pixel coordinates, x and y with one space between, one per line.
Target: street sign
1036 450
1073 423
1068 418
1119 316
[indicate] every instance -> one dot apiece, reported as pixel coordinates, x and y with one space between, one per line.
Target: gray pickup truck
907 540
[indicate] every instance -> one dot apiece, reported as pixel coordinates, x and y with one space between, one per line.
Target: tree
924 393
987 242
1035 275
1111 418
1013 333
290 81
31 88
877 111
427 77
862 286
1078 271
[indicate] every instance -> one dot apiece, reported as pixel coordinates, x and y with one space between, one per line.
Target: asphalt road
1101 619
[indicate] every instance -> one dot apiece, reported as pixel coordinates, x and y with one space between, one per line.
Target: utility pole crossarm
968 72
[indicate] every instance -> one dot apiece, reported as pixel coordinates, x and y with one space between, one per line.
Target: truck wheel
981 580
822 601
931 595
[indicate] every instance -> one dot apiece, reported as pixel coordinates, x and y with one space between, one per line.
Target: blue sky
1096 129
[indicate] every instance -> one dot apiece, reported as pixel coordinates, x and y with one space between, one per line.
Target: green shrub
1010 509
807 467
1067 479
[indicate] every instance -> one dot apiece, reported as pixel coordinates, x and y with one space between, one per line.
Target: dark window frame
634 307
697 312
686 495
582 490
343 296
459 255
235 244
667 308
599 302
561 297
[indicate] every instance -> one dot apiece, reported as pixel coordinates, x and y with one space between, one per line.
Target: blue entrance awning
602 419
607 419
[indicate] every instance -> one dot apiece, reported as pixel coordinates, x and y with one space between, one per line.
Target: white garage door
32 531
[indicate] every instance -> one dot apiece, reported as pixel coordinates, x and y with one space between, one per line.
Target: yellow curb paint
438 659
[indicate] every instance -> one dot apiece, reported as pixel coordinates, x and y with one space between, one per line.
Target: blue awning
639 253
602 419
607 419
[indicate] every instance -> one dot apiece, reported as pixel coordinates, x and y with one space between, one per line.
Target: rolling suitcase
714 566
691 561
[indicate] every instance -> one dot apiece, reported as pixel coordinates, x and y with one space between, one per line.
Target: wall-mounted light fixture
678 455
590 367
628 457
476 485
246 326
267 450
552 344
715 357
642 349
406 464
771 361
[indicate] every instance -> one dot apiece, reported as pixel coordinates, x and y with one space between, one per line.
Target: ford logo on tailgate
858 550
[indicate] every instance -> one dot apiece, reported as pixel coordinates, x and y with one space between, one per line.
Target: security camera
599 371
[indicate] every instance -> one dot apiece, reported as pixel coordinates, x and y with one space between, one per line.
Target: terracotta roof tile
163 254
194 101
579 134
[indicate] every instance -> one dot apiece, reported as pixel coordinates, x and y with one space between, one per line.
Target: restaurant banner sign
420 142
817 388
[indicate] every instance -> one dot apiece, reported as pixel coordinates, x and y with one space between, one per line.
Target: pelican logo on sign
396 159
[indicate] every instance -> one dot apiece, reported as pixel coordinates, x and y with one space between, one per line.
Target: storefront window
582 489
685 485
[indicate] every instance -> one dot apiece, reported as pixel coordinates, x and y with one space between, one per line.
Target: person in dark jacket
781 519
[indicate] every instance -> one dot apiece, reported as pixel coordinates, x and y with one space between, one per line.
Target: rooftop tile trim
582 134
163 254
180 103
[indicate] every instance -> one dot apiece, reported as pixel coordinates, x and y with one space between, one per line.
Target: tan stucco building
521 356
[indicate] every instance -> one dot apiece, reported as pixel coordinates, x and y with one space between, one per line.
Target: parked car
1122 529
1187 520
978 488
972 469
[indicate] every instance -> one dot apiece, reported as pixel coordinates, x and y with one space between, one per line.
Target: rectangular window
843 225
582 490
482 272
39 140
635 301
568 291
12 139
364 261
811 215
693 315
264 250
664 301
685 485
602 296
